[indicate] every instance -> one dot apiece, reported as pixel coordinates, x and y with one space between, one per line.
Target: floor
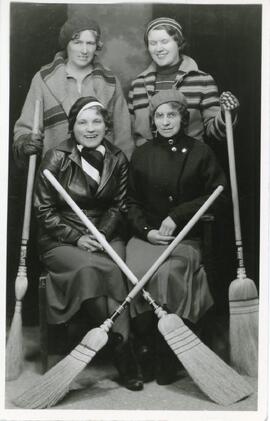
96 388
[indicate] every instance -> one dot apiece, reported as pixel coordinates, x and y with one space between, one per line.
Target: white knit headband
89 105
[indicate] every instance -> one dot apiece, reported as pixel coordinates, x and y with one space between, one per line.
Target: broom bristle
242 288
213 376
244 306
54 385
14 348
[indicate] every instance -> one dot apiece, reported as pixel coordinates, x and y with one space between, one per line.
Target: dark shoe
167 363
127 366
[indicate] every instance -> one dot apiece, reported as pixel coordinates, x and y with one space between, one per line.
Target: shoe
145 353
127 366
167 363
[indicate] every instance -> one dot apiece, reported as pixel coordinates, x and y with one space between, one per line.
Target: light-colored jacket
202 97
49 85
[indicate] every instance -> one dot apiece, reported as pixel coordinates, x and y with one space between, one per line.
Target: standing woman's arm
121 122
24 144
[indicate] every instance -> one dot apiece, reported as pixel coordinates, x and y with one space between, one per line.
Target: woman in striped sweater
74 73
170 68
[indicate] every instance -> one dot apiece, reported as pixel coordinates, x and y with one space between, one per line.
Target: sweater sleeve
213 118
46 202
23 126
121 122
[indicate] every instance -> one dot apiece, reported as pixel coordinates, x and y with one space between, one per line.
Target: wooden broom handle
110 250
30 179
234 188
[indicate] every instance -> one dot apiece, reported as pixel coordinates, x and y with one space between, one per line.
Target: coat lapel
110 161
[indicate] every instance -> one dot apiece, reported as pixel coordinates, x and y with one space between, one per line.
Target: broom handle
234 188
21 286
138 284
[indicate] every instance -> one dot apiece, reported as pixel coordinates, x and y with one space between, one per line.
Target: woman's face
167 120
89 128
162 48
81 50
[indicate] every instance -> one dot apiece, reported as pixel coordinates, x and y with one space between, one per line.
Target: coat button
170 199
170 141
174 149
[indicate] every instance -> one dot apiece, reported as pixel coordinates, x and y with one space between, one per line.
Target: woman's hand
155 237
167 226
228 101
89 243
33 144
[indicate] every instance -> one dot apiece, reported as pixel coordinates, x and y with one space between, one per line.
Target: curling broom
243 294
49 385
14 348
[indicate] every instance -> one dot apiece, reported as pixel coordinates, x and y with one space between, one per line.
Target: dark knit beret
168 95
75 25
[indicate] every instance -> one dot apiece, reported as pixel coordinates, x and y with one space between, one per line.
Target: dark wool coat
171 178
58 223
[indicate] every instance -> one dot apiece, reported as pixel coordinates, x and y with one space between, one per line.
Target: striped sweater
200 91
51 85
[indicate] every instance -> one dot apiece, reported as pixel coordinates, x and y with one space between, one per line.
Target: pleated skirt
77 275
180 283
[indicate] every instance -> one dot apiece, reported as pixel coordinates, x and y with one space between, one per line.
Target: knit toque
163 21
168 95
75 25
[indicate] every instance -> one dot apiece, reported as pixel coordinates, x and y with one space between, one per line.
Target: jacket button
170 141
145 228
174 149
170 199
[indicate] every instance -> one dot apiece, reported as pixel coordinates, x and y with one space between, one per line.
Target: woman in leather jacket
82 278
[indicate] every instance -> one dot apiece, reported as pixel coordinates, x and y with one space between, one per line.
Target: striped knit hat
163 21
168 95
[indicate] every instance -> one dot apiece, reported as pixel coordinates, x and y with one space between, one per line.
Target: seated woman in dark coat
82 276
170 177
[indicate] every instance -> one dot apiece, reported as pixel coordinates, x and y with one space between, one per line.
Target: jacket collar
110 158
54 76
187 66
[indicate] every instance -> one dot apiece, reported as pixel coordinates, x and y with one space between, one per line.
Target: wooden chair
208 262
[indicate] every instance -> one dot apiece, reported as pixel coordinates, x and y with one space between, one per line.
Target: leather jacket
58 224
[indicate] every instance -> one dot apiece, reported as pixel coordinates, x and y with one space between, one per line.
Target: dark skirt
180 283
76 275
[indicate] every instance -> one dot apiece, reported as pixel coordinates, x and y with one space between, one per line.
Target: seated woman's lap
77 275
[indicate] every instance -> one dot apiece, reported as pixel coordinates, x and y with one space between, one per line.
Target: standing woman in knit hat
83 280
170 177
74 72
171 68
